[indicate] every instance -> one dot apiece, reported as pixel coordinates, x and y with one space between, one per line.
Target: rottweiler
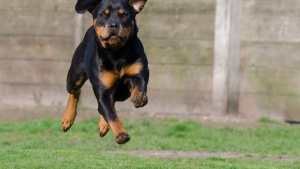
112 57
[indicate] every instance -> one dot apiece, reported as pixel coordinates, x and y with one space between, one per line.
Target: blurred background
38 38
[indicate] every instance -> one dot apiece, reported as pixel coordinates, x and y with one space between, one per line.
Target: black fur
91 58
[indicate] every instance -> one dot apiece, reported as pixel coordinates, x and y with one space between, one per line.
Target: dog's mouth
113 38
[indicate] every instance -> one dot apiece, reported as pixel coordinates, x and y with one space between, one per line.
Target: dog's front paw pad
66 124
103 129
140 100
122 138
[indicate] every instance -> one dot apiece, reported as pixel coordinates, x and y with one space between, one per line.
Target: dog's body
112 57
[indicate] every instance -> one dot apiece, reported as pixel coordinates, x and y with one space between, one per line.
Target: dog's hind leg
70 112
75 80
103 126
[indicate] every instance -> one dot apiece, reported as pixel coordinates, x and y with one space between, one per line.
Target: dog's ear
86 5
138 5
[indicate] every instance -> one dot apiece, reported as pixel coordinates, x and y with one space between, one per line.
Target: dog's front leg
104 87
107 109
139 88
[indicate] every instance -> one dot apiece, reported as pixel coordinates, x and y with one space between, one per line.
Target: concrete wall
270 59
36 46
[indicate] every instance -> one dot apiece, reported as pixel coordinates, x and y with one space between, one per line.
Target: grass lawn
42 144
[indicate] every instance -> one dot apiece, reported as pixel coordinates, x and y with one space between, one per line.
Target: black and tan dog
112 57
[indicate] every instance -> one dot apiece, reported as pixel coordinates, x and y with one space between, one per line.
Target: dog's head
114 20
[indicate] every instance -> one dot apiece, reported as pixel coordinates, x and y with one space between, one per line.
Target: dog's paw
66 124
122 138
140 99
103 128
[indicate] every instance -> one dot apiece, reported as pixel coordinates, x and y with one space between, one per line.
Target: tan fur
134 92
121 11
103 126
106 11
117 127
126 31
103 31
108 78
131 70
70 112
80 83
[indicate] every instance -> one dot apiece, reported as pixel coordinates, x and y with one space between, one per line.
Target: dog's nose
113 26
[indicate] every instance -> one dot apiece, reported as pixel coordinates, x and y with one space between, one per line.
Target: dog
112 57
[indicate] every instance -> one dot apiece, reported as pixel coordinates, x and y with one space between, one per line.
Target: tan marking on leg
70 112
116 127
80 83
103 126
108 78
134 92
131 70
120 134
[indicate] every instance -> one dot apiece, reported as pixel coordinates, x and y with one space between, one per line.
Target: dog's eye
124 16
103 15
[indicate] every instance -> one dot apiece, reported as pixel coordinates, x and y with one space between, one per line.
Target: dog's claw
122 138
103 129
140 100
66 125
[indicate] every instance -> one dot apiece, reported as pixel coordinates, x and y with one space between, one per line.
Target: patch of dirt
201 155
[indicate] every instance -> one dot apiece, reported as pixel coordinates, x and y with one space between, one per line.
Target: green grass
267 120
42 144
48 158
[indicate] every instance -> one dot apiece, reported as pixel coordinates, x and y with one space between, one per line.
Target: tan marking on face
100 30
132 69
103 32
123 32
121 11
113 44
127 31
108 78
106 11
